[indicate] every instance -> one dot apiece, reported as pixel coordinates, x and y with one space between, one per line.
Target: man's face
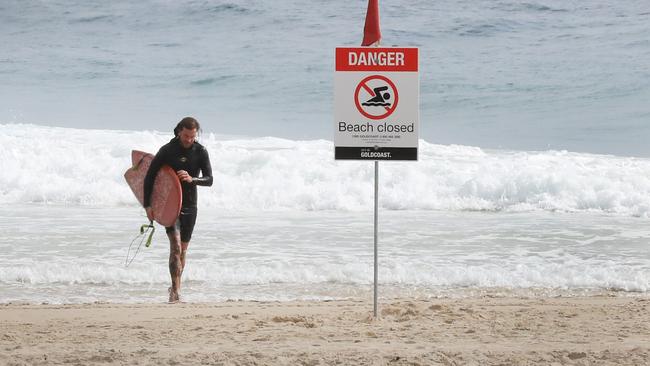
187 137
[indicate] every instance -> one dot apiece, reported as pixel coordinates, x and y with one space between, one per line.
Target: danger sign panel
376 103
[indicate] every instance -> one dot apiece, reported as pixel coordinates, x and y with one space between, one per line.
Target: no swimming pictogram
376 97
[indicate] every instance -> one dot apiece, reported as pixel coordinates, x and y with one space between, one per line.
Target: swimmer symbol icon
381 90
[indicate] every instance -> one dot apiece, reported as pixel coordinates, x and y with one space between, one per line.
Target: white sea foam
525 274
77 254
85 167
253 280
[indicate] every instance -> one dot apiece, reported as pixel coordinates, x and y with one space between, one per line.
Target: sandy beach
594 330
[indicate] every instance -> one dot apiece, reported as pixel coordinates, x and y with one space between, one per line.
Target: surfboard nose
136 157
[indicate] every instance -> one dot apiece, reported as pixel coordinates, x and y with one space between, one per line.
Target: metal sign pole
376 226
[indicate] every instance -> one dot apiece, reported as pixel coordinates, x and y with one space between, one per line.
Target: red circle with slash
386 111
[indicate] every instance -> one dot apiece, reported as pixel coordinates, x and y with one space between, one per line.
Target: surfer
187 157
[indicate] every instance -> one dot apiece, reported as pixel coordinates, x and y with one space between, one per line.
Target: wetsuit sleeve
206 171
150 178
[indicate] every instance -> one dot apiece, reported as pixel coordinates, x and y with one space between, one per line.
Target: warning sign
376 103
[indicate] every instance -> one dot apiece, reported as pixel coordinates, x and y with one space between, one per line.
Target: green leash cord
144 230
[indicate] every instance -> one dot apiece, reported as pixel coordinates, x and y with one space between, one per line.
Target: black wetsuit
193 160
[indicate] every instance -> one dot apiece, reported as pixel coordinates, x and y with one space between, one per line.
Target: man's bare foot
173 296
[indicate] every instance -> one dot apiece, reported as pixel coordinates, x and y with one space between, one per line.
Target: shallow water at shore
59 254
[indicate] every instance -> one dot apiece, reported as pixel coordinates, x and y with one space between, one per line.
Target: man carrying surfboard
187 157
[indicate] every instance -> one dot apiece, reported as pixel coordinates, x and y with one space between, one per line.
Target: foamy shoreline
605 330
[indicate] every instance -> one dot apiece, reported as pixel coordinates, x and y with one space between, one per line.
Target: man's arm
206 171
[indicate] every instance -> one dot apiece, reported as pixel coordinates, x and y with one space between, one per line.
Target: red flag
371 32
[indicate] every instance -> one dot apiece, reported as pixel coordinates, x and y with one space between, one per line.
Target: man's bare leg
175 265
184 246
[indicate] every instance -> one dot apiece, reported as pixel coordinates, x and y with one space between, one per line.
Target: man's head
186 131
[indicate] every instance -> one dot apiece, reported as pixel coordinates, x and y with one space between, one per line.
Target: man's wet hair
188 122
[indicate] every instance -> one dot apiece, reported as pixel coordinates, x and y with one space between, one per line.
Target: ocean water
533 178
285 221
511 75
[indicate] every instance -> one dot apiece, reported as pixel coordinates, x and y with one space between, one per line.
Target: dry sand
602 330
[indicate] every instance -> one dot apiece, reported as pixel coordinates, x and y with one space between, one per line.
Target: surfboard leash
146 232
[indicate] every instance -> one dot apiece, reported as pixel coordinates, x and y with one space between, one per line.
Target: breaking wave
49 165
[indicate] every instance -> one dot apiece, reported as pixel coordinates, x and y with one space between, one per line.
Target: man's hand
183 176
149 211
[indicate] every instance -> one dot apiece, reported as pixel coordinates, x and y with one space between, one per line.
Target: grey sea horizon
510 75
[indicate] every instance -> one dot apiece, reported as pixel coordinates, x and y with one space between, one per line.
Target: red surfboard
167 196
